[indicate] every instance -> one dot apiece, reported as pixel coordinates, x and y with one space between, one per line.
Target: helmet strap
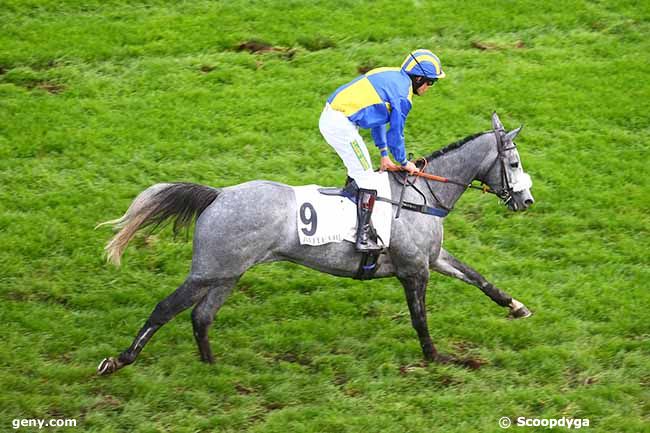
417 81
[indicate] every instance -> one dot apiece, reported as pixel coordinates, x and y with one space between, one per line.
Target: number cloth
321 219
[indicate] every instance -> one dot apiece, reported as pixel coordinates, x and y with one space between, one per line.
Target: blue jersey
380 97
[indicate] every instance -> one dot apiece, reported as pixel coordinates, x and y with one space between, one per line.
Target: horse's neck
460 165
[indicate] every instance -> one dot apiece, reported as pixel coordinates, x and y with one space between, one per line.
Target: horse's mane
454 145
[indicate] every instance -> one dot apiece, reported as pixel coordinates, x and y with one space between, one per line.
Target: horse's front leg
449 265
415 287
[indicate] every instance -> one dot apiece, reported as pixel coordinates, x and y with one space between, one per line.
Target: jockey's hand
410 167
387 164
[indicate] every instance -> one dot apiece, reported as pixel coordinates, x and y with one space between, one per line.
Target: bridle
505 193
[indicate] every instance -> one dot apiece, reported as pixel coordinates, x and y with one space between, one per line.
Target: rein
504 194
432 177
442 179
429 176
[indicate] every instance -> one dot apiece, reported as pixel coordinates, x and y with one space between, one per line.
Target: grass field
100 99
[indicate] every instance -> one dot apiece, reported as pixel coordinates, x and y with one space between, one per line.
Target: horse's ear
496 122
512 134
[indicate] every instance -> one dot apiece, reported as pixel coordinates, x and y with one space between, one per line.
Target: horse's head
506 176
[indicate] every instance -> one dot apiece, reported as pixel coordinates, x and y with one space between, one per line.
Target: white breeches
344 137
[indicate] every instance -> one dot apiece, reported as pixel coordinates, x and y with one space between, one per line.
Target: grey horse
240 226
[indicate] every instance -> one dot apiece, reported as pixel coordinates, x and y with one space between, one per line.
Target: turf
100 99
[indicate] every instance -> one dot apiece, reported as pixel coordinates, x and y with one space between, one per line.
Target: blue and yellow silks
423 63
380 97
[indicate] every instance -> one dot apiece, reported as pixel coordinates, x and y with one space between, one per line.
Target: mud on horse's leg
184 297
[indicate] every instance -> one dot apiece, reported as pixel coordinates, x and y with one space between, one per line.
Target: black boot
365 203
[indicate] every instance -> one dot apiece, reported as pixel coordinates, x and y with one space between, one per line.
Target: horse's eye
514 164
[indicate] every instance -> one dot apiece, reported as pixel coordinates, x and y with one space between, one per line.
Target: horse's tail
182 202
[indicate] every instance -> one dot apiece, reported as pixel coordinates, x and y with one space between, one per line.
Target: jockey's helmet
423 63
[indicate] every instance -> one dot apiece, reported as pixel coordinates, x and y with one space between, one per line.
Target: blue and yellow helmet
423 63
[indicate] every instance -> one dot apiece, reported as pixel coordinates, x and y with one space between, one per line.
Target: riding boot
365 203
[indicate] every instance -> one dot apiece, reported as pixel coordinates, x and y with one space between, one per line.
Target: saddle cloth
322 219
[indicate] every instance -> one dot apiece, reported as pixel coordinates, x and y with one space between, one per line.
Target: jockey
372 101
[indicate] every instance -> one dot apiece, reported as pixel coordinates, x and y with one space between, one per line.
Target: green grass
99 100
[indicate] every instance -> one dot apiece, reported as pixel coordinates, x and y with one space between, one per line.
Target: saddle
349 191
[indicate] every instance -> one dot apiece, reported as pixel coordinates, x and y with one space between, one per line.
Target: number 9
311 221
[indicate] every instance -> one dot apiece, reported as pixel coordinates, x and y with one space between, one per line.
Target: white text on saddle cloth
322 219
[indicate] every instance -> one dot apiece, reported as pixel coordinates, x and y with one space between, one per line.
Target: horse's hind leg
449 265
203 316
190 292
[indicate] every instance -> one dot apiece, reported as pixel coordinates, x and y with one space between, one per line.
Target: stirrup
370 246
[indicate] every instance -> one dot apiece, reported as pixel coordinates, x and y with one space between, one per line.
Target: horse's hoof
207 359
520 313
107 366
518 310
